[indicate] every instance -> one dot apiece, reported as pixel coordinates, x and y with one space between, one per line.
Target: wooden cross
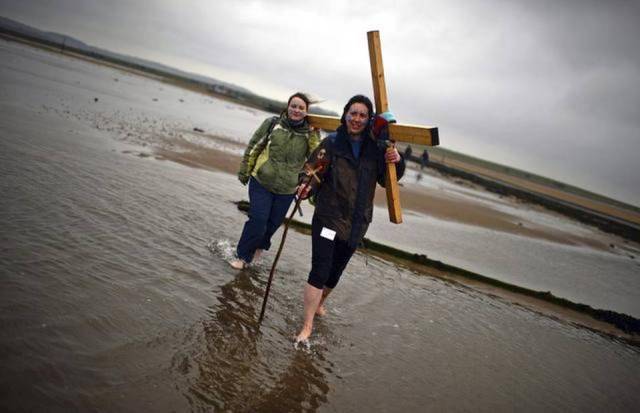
423 135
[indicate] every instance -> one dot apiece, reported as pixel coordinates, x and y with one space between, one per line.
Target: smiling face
297 109
356 118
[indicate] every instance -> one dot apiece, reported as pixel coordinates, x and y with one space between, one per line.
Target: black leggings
328 257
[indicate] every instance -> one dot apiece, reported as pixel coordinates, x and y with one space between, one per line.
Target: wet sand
419 199
604 208
434 203
544 304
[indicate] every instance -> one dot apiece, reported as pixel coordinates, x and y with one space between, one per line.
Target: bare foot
321 311
238 264
256 255
303 336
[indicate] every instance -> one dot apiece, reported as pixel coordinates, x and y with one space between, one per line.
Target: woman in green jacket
271 163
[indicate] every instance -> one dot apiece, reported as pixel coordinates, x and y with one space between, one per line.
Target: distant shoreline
606 217
182 79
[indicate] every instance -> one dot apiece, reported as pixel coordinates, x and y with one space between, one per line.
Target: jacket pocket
290 178
266 173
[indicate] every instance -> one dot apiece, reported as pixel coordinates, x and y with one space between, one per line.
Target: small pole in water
273 267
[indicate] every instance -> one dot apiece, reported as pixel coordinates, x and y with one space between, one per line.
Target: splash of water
302 345
223 248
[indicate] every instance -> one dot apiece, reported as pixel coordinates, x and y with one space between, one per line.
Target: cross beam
423 135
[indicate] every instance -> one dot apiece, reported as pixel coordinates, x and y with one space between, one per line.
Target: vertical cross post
382 105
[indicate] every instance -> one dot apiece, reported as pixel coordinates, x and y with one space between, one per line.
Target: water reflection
245 367
302 387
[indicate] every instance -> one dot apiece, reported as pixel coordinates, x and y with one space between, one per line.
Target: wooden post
382 105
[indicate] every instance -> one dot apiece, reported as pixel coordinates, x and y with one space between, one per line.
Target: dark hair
356 99
300 95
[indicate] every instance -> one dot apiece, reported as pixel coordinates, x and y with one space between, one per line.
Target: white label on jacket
327 233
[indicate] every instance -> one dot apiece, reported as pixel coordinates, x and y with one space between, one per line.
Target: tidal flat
117 223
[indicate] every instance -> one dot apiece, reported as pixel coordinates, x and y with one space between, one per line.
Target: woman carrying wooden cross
344 201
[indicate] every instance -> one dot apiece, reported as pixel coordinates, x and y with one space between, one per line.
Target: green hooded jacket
275 159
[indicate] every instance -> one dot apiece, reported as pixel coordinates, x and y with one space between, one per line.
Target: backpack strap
264 141
258 147
274 121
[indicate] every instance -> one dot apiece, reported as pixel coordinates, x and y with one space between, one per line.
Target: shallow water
158 119
116 294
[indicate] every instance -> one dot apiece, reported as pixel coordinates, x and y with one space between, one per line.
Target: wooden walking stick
311 174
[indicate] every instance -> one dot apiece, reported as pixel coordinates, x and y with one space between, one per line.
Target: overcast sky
552 87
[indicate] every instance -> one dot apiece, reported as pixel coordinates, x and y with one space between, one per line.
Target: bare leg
321 309
312 297
256 255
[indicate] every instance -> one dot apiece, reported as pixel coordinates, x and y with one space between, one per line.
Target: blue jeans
266 213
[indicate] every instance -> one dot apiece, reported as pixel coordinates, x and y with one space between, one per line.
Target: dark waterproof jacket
344 201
